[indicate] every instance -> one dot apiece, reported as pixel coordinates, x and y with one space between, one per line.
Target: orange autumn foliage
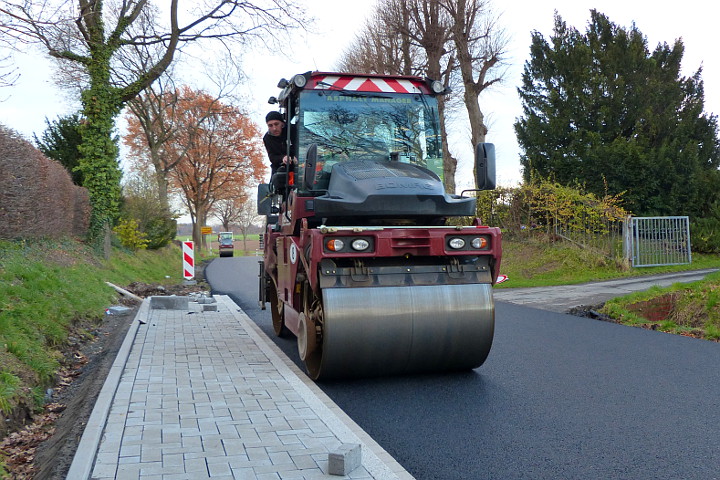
215 150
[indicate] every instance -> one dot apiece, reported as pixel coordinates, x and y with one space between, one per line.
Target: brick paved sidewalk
204 394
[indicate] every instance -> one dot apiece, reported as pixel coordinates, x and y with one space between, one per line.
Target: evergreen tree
60 141
601 110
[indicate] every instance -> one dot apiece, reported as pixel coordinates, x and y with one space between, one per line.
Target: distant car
225 239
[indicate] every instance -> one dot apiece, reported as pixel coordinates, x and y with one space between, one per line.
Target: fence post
627 239
687 236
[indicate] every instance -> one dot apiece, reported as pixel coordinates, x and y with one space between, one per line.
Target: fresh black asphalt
559 397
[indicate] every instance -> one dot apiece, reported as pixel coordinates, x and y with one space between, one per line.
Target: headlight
335 245
299 80
360 244
456 243
349 244
479 242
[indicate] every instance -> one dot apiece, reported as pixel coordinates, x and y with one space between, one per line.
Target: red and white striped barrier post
188 260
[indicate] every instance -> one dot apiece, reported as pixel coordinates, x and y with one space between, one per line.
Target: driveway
563 298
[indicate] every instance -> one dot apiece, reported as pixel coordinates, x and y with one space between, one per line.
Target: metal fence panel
654 241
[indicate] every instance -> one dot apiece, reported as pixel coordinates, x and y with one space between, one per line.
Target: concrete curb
84 459
376 460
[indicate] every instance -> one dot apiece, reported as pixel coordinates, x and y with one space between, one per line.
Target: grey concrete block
210 308
346 458
204 300
173 302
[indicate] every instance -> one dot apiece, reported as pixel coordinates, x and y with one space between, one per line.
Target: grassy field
243 247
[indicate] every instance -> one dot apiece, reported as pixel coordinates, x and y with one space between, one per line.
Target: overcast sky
25 106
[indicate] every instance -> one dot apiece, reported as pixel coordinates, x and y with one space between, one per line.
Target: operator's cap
274 115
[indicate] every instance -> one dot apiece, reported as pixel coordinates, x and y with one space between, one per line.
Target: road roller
367 260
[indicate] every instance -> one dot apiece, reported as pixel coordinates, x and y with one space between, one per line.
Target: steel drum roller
392 330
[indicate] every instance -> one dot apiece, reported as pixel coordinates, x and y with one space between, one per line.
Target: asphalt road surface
560 397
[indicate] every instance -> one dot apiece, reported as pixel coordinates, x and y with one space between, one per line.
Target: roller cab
368 261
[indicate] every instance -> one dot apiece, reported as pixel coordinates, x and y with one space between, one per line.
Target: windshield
368 126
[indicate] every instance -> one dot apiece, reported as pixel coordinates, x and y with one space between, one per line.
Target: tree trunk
200 219
449 162
98 162
161 180
478 129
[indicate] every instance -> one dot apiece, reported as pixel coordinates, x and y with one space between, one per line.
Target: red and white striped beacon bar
369 83
188 252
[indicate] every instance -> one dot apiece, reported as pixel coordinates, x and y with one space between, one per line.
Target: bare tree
426 24
458 42
152 120
408 37
151 126
246 221
383 50
229 209
8 72
480 46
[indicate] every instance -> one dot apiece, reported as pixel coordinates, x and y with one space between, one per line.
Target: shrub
130 235
37 196
142 203
160 231
705 232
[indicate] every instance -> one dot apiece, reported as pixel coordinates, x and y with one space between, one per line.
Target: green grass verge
691 309
49 288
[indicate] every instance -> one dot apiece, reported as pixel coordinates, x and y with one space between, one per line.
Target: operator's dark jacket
276 149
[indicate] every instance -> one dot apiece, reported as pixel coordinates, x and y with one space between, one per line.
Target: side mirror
310 162
264 200
485 166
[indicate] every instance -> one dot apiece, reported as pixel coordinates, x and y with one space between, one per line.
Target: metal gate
653 241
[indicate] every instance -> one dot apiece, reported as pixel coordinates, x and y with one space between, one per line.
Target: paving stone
344 459
169 303
200 398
